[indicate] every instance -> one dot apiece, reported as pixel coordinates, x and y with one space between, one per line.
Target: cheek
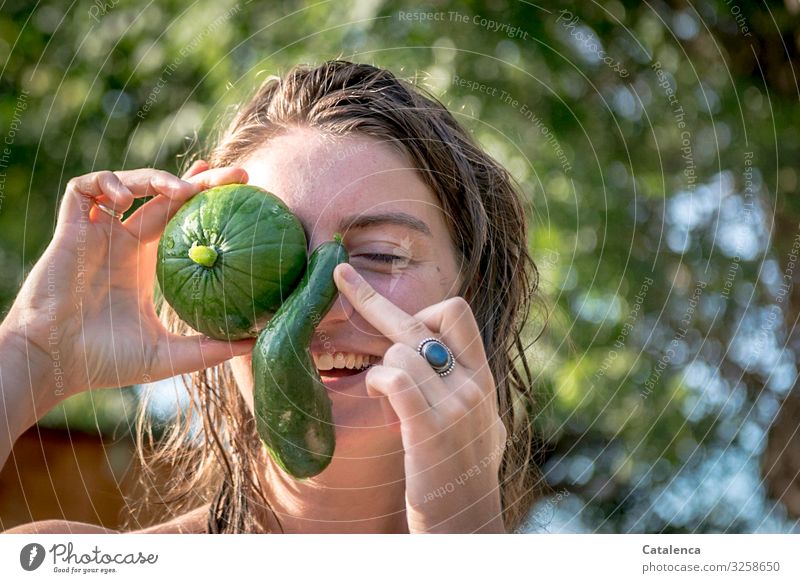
409 292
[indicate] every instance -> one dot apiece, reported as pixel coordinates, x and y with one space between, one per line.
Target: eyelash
384 257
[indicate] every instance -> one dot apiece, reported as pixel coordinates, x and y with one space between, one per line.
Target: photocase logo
31 556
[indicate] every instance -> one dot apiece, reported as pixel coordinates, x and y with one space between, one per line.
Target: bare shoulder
59 527
192 522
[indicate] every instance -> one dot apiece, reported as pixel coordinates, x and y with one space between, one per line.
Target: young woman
436 233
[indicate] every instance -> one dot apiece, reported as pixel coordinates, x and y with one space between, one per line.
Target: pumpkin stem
337 237
205 256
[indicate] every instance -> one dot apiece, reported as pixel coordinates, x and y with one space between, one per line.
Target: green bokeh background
658 410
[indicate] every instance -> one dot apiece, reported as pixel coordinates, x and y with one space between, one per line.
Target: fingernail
349 274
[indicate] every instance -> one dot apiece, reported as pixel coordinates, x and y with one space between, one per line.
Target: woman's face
397 238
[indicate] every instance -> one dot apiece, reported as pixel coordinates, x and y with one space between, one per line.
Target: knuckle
162 177
151 356
451 410
395 353
502 432
86 183
461 404
365 295
157 181
104 177
397 380
417 328
457 306
400 355
472 396
391 379
73 184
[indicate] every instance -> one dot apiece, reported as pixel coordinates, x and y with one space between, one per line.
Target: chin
361 415
361 423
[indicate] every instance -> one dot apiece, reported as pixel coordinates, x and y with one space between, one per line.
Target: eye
384 258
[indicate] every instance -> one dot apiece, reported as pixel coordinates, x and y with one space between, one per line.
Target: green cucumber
292 407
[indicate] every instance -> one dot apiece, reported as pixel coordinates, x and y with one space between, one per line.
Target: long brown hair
210 448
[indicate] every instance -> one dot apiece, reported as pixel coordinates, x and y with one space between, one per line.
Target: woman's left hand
451 430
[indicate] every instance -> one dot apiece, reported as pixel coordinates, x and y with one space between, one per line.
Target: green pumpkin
228 259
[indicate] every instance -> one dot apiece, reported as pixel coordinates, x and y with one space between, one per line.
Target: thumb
185 354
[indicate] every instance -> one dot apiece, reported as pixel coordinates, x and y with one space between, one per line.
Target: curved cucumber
292 407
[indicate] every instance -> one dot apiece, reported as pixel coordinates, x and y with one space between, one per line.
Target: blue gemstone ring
439 356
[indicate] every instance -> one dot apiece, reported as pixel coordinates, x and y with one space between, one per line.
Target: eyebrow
353 222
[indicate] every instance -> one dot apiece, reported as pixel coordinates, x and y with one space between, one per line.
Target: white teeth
351 360
324 361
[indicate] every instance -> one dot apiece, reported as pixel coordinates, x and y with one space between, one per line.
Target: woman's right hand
84 316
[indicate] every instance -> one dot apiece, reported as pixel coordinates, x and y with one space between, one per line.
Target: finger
151 182
148 221
185 354
218 176
197 167
429 383
117 190
84 191
459 391
454 322
387 318
396 386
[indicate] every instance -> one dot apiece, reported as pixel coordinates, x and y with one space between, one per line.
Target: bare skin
402 431
397 425
102 271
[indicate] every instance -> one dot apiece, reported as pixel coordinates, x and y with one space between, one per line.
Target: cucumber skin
292 408
261 247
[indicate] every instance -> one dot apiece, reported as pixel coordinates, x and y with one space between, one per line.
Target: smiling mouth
341 364
341 372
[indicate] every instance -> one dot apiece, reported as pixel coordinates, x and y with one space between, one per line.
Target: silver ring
438 355
108 211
